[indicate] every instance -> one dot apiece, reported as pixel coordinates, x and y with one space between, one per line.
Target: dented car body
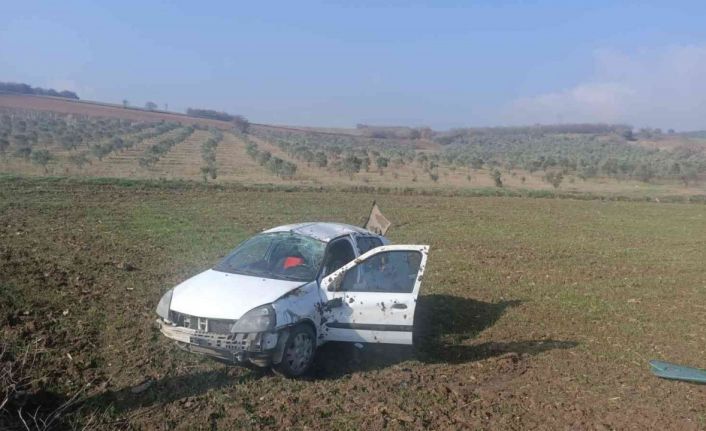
284 292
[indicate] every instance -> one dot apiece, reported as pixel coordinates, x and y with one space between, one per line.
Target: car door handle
399 306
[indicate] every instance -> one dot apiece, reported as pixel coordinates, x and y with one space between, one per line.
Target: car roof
322 231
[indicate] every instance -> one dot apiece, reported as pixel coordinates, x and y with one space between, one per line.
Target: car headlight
258 319
164 304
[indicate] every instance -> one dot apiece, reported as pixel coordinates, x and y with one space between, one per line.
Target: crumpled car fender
297 306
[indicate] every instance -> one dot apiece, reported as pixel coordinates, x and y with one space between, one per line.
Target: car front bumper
257 348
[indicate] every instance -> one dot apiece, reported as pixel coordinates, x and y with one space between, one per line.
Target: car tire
299 352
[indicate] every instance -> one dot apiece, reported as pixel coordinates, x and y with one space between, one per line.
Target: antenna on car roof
377 222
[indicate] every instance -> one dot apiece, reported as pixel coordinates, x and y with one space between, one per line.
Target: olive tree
381 163
79 159
497 177
42 158
240 124
320 159
351 165
554 178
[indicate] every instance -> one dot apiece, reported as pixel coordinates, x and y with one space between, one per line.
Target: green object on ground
667 370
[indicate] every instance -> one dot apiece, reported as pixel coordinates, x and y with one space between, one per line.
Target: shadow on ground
442 325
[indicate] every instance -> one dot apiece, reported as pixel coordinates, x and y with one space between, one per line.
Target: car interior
340 252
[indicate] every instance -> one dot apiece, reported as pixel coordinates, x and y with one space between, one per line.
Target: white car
279 295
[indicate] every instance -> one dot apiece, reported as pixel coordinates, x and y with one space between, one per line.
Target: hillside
98 109
53 136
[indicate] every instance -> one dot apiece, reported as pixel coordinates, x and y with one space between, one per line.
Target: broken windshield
279 255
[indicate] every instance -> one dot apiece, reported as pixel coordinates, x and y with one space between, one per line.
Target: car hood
220 295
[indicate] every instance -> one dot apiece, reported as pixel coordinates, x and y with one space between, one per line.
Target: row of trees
155 151
119 143
464 135
583 155
20 88
32 135
41 157
240 124
555 152
339 152
281 168
208 154
209 113
29 128
387 132
582 150
26 130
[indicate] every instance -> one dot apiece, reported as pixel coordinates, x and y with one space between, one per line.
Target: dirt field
535 314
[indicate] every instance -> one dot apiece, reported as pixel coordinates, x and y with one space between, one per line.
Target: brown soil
82 267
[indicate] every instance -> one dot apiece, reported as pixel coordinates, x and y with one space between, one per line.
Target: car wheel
298 352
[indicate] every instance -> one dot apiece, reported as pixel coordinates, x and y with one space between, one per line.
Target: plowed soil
535 313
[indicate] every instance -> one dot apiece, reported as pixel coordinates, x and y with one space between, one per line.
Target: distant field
535 313
79 107
48 136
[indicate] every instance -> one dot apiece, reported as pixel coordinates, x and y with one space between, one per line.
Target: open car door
372 299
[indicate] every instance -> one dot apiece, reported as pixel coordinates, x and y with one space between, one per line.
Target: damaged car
281 294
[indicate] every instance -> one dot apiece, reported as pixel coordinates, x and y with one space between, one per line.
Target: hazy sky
442 63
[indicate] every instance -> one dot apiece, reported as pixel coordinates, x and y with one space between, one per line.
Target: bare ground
536 314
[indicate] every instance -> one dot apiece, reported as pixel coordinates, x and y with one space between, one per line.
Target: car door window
339 253
367 243
391 271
